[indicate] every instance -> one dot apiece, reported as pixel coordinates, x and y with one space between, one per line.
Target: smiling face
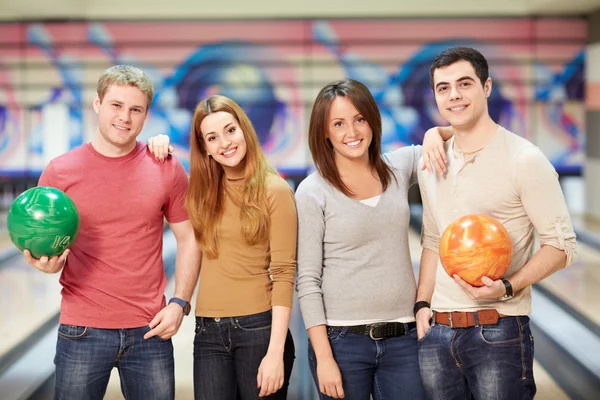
460 96
121 116
348 130
224 140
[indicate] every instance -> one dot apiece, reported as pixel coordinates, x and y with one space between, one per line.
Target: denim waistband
262 316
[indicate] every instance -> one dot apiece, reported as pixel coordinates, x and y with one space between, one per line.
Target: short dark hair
455 54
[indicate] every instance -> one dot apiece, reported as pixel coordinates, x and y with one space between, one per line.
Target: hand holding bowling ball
474 246
50 265
43 220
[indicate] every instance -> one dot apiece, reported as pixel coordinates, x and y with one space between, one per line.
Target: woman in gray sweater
355 280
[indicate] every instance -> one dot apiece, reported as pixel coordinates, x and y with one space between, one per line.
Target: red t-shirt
114 276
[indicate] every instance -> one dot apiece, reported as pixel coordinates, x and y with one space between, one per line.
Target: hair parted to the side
206 191
322 149
125 75
456 54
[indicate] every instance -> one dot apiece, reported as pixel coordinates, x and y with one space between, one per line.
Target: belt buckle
375 326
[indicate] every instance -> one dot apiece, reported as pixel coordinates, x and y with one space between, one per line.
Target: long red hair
205 197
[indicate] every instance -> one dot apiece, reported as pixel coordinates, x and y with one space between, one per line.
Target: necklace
235 179
467 153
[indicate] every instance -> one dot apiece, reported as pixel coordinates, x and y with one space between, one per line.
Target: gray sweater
353 260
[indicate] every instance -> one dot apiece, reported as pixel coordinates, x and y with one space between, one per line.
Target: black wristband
508 287
419 305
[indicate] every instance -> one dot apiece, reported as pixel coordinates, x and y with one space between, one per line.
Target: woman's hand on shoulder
160 147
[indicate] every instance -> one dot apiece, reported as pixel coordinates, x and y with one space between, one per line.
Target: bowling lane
547 389
578 284
5 242
28 298
7 249
587 224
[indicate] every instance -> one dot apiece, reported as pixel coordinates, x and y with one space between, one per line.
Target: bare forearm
187 268
546 261
446 132
429 261
279 329
320 342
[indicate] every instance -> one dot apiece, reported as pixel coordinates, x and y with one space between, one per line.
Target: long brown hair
205 196
322 149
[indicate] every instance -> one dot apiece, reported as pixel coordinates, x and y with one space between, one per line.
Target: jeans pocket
524 322
257 322
72 332
425 335
155 337
199 327
531 342
505 332
335 335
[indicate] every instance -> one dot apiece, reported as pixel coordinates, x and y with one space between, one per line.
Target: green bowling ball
43 220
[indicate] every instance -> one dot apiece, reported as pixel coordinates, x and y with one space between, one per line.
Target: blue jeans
86 356
388 369
491 362
227 354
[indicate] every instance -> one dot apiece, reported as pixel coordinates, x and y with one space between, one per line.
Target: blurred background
273 57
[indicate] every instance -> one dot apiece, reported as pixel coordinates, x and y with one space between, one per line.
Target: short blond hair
125 75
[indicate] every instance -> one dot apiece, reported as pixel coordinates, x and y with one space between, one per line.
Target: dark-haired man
475 342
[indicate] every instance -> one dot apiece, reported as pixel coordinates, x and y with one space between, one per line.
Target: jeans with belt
488 361
386 369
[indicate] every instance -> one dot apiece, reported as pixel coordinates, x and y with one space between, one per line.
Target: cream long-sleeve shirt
511 181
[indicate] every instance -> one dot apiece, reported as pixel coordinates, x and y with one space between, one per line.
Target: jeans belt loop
433 318
476 318
450 319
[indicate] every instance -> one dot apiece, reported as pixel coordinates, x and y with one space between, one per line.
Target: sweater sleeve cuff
313 311
282 294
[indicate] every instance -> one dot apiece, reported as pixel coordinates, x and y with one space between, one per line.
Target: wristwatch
187 307
509 290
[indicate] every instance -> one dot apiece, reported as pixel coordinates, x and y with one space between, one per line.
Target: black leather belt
378 331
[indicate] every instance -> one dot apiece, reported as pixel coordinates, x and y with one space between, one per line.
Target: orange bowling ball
474 246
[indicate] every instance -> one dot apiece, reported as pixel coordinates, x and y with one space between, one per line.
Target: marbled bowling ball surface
43 220
474 246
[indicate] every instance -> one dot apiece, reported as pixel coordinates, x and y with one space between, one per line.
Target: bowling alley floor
28 298
4 238
588 224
